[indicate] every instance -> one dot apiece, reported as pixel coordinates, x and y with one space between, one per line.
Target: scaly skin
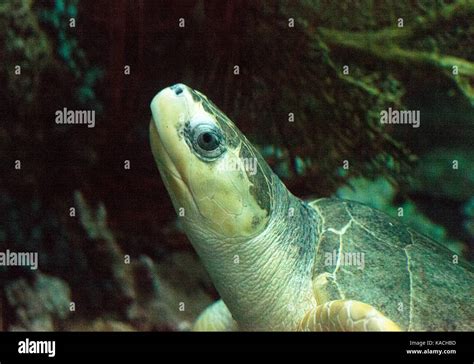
264 248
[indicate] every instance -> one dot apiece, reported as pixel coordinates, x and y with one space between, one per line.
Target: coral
389 44
378 194
109 290
105 256
69 51
38 304
170 294
437 165
100 324
30 225
24 44
469 217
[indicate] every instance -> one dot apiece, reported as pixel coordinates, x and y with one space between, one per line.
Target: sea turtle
280 263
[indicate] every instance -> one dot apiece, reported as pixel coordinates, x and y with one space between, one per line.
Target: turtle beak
178 89
168 102
170 108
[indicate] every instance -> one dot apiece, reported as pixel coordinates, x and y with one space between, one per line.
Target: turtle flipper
216 317
346 315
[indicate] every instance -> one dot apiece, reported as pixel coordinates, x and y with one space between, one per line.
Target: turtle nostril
178 89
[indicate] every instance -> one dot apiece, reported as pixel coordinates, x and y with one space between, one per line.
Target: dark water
305 81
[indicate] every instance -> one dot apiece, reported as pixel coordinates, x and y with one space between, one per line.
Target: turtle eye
207 141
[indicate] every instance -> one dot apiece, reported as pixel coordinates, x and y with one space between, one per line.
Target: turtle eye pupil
206 137
208 141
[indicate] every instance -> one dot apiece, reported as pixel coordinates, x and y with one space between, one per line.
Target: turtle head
219 184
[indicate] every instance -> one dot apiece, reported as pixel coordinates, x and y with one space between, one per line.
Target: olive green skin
414 281
283 273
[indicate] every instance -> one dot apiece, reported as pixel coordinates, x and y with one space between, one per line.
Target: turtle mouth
165 105
163 158
176 184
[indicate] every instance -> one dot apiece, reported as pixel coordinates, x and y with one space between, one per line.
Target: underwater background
91 202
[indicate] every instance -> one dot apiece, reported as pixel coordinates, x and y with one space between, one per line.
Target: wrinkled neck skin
266 281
